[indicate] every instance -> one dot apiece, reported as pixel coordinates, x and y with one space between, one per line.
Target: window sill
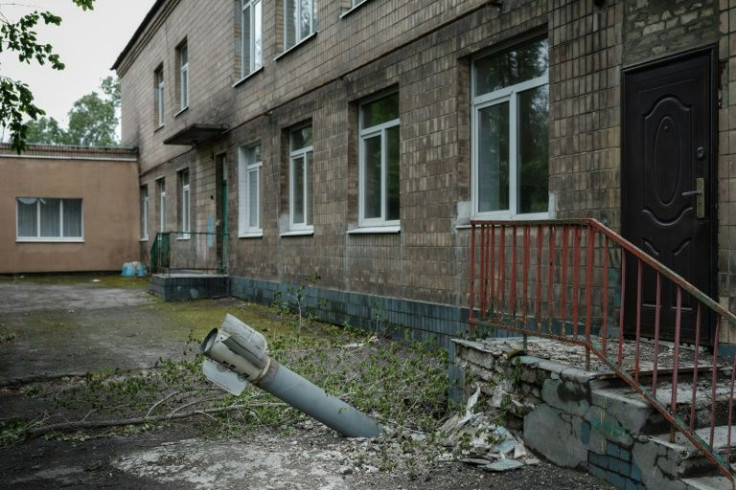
181 111
183 238
251 234
49 240
294 47
159 128
353 9
375 230
248 76
143 239
297 233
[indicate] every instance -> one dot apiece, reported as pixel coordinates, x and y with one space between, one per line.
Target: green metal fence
179 251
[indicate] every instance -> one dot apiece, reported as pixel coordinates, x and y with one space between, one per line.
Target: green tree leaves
92 120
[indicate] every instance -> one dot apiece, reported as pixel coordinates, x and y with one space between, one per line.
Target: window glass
510 143
379 191
510 67
533 158
299 21
493 158
27 217
49 218
300 180
380 111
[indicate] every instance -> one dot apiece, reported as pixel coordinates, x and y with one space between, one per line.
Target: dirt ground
54 330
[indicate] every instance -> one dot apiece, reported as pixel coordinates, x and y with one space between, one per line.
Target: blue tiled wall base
184 288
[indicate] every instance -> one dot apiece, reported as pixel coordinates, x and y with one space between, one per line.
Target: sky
88 43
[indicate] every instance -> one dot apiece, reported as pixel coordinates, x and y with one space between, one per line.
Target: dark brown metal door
667 188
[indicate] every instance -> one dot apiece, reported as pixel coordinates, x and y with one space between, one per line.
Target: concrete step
684 460
638 417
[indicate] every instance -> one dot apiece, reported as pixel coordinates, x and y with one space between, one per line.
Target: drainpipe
237 355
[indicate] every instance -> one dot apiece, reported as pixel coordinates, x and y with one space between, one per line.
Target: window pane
301 138
290 22
253 191
253 154
50 216
392 174
72 218
372 177
309 190
305 22
246 39
27 217
533 171
493 158
380 111
510 67
298 190
257 35
144 212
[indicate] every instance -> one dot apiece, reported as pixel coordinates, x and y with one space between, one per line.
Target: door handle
699 194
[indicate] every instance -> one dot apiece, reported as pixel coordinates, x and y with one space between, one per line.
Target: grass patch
402 385
103 279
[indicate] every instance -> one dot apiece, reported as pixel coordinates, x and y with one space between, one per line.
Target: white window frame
298 37
183 52
508 95
306 153
251 39
159 94
161 187
365 134
185 196
144 213
248 170
37 237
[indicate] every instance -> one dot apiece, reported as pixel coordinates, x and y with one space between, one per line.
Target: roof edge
142 27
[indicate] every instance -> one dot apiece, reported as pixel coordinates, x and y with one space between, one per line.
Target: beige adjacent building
68 209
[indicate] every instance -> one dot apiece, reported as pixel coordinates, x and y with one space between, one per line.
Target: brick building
354 140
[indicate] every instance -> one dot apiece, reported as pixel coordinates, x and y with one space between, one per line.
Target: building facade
348 144
68 209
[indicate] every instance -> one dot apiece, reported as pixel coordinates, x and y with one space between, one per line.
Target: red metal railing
579 282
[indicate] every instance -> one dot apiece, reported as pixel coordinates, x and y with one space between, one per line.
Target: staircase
565 281
664 461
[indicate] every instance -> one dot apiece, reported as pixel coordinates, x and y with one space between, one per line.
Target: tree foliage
16 99
92 120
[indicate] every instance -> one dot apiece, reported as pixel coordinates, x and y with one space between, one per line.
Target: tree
92 120
45 130
16 99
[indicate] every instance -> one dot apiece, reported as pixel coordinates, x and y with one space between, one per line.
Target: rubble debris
480 441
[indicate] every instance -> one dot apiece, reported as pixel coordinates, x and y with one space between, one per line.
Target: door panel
668 144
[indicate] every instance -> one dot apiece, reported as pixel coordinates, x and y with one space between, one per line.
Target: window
158 77
299 21
300 179
161 183
378 181
249 188
510 134
251 32
183 62
144 212
184 209
48 219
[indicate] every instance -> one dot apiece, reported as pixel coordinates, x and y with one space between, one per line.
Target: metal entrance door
668 182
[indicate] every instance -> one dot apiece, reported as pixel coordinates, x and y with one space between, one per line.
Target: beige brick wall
423 49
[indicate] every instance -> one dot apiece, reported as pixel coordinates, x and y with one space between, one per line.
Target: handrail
574 260
188 250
